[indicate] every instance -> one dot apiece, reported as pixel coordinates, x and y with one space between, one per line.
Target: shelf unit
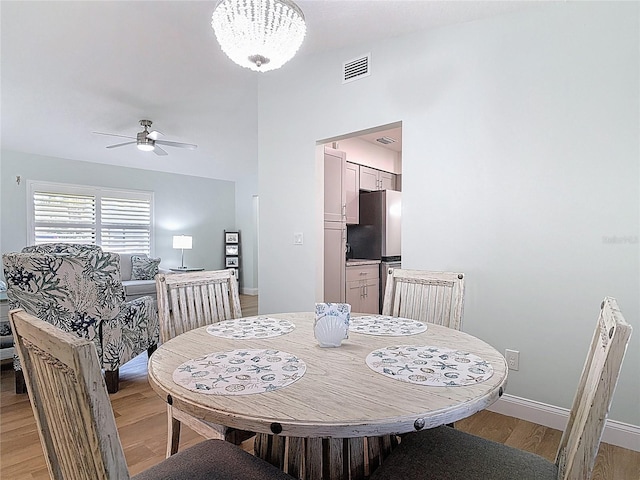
232 252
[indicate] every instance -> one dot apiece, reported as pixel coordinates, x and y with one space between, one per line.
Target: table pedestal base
325 458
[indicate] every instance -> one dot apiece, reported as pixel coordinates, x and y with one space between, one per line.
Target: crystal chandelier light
259 34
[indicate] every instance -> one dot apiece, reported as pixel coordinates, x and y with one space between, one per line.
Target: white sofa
136 288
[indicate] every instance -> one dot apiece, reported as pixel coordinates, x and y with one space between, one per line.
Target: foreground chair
187 301
76 423
434 297
445 453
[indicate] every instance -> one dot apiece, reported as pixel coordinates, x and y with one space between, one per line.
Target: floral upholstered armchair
78 288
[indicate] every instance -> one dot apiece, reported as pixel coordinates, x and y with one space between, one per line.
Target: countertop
356 262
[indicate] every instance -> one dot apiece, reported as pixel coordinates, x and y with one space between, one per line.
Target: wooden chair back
434 297
581 438
190 300
69 400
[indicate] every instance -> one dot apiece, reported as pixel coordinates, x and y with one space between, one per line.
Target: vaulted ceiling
71 68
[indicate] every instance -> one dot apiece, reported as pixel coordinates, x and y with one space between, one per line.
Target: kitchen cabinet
335 227
362 285
352 191
334 261
387 181
341 188
334 185
372 179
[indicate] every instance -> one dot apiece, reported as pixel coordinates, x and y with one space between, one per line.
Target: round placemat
240 372
386 325
251 327
428 365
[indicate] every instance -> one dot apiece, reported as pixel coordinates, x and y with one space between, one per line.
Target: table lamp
182 242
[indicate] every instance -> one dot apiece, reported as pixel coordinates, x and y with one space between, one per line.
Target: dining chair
187 301
445 453
434 297
76 424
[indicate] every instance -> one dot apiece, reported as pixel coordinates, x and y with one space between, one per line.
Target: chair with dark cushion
76 424
187 301
446 454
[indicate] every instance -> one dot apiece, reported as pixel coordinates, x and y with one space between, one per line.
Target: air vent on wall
356 68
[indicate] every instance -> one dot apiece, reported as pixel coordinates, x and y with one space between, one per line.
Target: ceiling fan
148 141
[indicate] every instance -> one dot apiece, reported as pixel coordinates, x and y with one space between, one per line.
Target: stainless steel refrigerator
377 236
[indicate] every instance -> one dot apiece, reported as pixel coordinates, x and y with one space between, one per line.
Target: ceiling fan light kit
145 140
261 35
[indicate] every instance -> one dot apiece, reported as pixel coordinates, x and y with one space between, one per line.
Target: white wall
246 189
520 168
195 206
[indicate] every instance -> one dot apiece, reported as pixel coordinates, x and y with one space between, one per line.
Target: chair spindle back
191 300
434 297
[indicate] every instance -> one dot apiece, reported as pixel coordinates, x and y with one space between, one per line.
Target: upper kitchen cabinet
341 188
352 190
372 179
334 185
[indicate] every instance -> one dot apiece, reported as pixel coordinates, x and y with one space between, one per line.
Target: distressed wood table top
339 395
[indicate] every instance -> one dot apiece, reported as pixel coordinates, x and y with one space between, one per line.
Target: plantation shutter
119 221
125 225
60 217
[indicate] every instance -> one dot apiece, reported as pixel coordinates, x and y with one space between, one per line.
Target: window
117 220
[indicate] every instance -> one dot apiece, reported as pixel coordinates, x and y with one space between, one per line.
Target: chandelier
259 34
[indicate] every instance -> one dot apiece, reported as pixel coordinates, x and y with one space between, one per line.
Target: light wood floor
141 419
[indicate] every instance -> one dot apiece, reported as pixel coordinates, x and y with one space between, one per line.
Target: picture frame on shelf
232 249
231 237
232 262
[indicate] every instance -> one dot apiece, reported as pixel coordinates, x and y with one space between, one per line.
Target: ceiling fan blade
120 144
113 135
158 151
190 146
154 135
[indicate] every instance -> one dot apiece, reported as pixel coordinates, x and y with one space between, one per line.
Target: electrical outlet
513 359
298 239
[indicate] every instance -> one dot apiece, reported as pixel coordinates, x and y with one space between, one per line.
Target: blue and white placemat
251 327
428 365
386 325
240 372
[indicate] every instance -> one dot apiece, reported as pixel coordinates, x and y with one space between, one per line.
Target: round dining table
341 417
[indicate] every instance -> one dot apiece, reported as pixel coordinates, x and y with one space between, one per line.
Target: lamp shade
182 241
259 34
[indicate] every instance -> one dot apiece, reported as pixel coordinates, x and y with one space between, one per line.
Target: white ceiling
71 68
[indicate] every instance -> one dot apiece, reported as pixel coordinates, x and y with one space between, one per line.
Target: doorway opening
361 188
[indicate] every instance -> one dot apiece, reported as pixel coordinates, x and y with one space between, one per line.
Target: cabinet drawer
362 272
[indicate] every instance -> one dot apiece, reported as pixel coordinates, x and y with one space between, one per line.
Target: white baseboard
615 432
249 291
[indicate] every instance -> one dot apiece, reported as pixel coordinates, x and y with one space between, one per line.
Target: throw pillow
144 268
